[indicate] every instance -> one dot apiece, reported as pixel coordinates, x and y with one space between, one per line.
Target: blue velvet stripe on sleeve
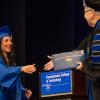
96 37
95 48
95 59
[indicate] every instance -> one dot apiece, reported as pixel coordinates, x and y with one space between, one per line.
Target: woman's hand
48 66
28 93
28 69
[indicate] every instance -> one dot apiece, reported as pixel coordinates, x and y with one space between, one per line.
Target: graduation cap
95 4
5 31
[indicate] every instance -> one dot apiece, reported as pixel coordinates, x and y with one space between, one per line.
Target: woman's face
6 44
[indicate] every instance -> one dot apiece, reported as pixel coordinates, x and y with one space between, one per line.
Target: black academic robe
92 70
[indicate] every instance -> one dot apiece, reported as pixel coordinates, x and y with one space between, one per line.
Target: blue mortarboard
5 31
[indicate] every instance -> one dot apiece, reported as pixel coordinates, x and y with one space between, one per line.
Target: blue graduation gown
10 85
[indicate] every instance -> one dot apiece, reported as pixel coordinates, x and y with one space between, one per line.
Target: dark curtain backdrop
12 13
41 28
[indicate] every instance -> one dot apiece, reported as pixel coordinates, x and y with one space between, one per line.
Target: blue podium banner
56 83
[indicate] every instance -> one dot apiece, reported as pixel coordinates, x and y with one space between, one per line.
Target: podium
65 84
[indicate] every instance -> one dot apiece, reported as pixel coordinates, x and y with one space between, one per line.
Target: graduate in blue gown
10 84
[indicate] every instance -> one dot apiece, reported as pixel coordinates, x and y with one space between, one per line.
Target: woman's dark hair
11 56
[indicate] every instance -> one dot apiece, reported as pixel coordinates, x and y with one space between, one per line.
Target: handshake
29 69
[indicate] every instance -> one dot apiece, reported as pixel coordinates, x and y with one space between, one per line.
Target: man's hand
80 67
48 66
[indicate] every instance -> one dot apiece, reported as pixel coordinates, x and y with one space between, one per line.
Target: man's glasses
87 11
